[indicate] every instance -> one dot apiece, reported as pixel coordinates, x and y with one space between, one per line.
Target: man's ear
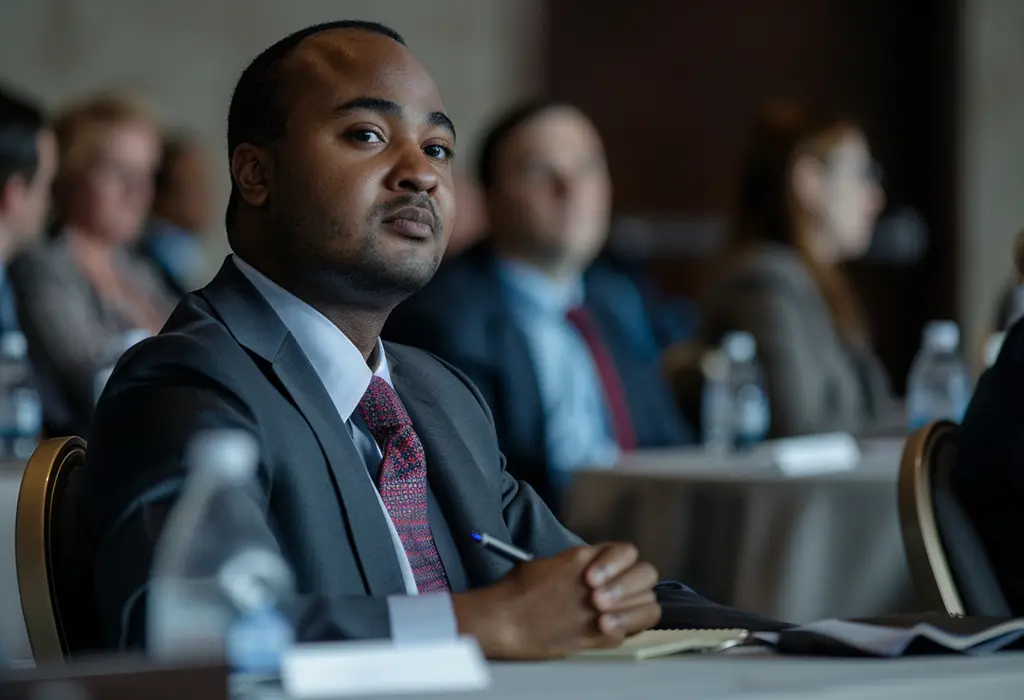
251 168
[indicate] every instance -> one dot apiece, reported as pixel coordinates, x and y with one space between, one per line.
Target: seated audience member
562 343
182 203
989 474
809 198
82 296
28 161
377 460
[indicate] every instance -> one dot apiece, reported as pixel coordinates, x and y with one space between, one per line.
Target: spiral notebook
654 643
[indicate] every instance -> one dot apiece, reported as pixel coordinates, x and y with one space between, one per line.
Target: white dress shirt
346 376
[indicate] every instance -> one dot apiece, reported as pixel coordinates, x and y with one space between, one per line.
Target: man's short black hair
20 124
255 116
495 137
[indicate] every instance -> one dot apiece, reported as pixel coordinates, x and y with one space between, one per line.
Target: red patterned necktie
622 423
403 482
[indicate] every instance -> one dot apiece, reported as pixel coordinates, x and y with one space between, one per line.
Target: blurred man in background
28 162
562 342
182 206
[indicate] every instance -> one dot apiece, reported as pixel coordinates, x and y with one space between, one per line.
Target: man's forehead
359 62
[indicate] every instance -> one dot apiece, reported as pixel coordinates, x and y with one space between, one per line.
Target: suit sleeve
61 327
135 474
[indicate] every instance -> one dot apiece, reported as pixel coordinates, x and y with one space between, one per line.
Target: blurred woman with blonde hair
808 201
83 298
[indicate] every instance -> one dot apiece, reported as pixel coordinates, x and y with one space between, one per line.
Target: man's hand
584 598
622 589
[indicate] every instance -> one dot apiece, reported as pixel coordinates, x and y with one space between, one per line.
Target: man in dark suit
377 460
564 345
28 162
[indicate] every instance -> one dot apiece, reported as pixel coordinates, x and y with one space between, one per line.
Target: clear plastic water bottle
21 411
218 589
716 416
939 386
750 408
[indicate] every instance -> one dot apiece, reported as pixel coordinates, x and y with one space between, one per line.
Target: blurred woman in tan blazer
809 199
83 297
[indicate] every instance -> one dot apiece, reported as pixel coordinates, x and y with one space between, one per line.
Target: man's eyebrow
441 119
387 107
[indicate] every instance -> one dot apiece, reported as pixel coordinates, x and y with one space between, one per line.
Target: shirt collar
530 285
338 363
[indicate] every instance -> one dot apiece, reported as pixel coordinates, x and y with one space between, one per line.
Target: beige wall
185 55
992 155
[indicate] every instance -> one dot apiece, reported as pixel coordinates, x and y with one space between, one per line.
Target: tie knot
381 409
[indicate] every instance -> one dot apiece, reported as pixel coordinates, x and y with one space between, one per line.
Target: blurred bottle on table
716 420
21 412
750 408
939 386
219 588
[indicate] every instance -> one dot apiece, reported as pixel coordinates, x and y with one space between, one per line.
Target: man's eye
439 152
366 136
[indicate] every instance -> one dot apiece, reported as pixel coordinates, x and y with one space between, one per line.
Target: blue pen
510 552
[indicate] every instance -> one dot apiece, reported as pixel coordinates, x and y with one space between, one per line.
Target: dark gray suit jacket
226 360
816 382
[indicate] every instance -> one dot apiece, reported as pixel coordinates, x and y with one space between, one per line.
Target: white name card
341 669
816 454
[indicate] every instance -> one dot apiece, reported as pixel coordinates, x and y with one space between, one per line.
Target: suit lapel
456 479
255 325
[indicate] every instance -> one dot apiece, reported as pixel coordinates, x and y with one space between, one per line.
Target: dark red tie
622 423
403 482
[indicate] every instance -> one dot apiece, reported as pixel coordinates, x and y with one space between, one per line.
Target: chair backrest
48 486
948 563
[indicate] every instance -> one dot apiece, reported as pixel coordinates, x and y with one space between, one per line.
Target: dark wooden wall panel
673 87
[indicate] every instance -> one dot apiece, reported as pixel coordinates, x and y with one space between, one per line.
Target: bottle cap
231 454
13 345
942 335
739 346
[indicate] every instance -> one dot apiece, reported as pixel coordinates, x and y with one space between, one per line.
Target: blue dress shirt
578 430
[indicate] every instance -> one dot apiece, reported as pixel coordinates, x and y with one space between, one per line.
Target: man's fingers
639 579
611 561
631 620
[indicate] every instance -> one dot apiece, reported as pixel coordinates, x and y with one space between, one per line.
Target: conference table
13 637
742 531
747 677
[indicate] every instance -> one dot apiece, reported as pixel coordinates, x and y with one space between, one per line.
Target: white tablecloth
13 637
755 678
742 533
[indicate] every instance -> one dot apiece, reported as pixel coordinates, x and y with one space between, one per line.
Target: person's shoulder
41 259
193 341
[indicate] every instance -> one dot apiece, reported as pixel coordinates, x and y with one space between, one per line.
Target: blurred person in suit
808 201
471 222
376 459
181 214
83 297
28 163
563 343
988 477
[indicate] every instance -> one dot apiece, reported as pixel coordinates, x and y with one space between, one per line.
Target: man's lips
416 222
